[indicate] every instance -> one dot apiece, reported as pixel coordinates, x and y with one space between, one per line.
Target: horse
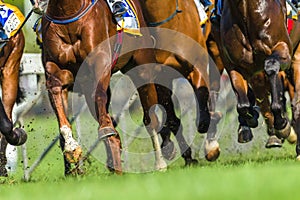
75 45
255 39
260 87
180 17
10 58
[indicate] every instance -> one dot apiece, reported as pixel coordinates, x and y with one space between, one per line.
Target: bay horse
75 45
10 58
180 16
254 38
259 85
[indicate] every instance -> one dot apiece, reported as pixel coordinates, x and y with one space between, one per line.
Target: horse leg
106 129
56 80
202 95
10 81
212 149
248 117
260 88
272 67
296 100
172 124
3 159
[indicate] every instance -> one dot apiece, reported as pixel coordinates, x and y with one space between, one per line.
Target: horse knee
272 66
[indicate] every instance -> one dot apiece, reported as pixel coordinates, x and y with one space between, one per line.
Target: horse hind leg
172 124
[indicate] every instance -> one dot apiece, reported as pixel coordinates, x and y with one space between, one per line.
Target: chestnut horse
10 58
72 31
180 16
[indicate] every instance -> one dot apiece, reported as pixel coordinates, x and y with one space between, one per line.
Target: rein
154 24
74 19
117 49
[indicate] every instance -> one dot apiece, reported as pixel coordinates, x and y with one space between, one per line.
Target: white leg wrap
70 143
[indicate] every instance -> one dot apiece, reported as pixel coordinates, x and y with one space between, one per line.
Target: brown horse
78 31
180 16
259 85
254 39
10 58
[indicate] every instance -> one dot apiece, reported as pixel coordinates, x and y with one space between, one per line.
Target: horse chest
71 52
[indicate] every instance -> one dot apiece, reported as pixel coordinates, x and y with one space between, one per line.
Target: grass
254 173
243 171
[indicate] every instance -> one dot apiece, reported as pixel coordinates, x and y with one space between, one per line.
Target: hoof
161 165
22 136
212 150
273 141
298 158
285 132
73 156
244 134
75 172
3 171
168 150
292 138
204 122
190 162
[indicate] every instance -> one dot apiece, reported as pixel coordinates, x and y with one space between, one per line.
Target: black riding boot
3 36
118 9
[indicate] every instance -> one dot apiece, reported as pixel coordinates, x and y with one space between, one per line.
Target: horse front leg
106 128
10 82
55 80
260 88
248 116
296 100
272 67
202 94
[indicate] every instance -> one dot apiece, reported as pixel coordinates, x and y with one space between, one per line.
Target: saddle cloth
11 18
129 21
201 11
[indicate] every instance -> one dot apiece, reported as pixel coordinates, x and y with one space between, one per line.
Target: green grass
243 171
240 173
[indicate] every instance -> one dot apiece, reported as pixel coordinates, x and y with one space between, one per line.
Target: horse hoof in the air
22 135
273 141
74 156
212 150
292 138
168 150
244 134
285 132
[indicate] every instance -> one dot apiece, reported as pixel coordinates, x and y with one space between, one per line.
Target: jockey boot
206 4
3 36
118 9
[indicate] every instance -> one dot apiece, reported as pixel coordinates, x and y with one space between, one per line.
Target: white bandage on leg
70 143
